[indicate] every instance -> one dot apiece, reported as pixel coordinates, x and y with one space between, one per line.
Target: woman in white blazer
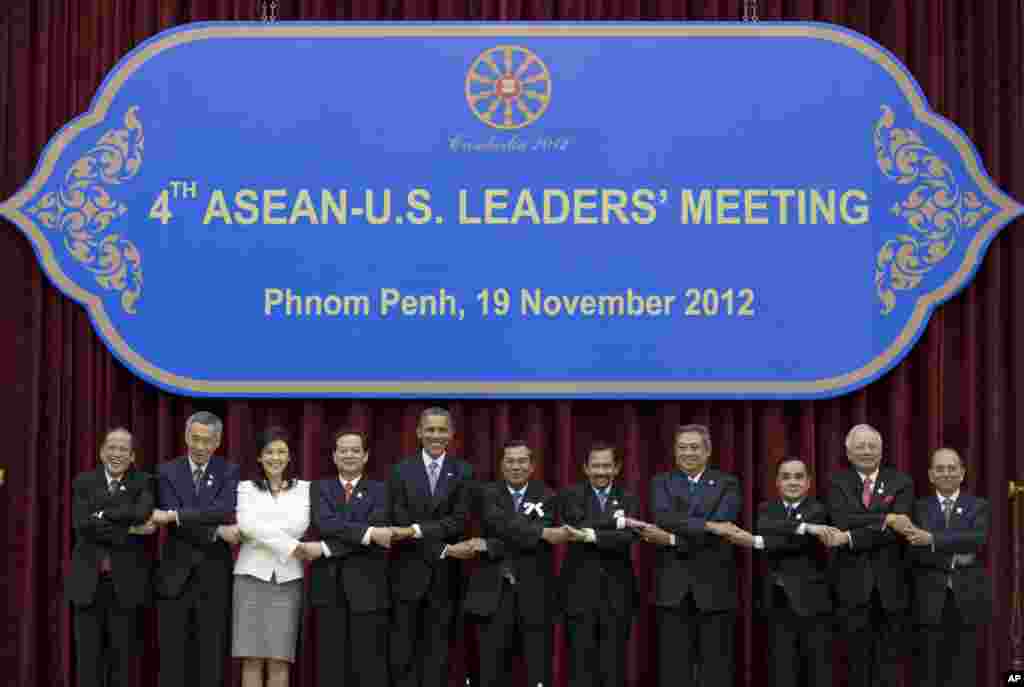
273 514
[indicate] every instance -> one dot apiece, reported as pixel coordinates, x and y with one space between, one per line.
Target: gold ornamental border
1008 208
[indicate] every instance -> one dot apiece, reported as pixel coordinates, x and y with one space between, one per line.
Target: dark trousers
597 648
948 652
694 647
876 640
194 629
501 633
351 647
106 639
799 644
420 633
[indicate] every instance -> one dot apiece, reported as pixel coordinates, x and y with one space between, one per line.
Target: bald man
870 507
953 594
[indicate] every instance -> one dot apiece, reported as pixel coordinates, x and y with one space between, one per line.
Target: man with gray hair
870 508
197 497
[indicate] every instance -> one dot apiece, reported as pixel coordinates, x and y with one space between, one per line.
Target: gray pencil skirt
266 618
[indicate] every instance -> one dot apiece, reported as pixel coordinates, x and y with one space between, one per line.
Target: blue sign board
510 210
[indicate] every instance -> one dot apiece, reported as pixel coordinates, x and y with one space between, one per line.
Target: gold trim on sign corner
1008 208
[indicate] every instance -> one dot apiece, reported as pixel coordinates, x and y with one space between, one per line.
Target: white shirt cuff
327 551
177 520
758 541
801 528
620 522
444 551
672 539
418 533
850 535
590 535
366 536
484 541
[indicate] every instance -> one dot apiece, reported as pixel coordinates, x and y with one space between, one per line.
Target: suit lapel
708 490
184 478
212 481
417 473
505 498
360 502
444 480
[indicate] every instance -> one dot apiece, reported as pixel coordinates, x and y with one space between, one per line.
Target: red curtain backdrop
61 388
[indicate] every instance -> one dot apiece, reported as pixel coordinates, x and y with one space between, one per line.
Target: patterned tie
789 511
865 496
517 500
197 479
947 509
433 476
602 497
692 484
348 491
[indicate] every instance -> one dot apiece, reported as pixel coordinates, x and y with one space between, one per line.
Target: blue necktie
602 497
517 500
692 485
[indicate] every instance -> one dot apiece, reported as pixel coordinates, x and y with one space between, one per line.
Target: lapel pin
711 483
959 510
359 494
615 502
799 516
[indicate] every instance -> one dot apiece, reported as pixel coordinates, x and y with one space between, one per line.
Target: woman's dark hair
268 436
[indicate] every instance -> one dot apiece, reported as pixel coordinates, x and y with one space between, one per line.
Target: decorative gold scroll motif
82 210
936 210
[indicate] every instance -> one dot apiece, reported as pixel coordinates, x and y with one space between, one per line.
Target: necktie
433 476
602 497
116 484
692 485
947 509
865 496
197 479
517 500
789 512
348 491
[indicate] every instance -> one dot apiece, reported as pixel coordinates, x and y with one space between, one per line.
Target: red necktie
865 496
348 491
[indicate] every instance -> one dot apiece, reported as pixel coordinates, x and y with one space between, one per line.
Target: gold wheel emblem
508 87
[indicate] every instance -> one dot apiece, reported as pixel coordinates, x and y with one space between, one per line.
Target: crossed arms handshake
828 535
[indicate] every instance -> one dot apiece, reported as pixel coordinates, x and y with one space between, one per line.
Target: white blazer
271 528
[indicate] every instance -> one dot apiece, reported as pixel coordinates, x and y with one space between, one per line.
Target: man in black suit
795 596
349 586
512 592
694 509
197 498
430 500
109 579
953 592
597 584
870 507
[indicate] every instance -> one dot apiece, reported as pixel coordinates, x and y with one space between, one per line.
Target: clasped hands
471 548
902 525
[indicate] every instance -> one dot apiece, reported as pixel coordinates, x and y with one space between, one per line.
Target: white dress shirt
271 527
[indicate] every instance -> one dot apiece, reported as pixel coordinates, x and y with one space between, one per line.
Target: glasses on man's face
946 470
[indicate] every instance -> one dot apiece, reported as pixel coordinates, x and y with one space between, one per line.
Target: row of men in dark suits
367 600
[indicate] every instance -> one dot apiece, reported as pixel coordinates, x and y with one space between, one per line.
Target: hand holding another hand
382 536
652 534
463 550
230 533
